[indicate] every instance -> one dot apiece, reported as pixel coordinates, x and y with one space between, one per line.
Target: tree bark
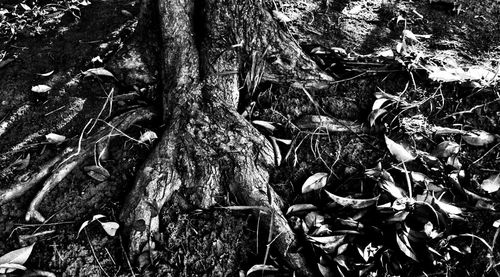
209 49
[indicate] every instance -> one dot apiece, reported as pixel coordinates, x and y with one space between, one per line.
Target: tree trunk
209 49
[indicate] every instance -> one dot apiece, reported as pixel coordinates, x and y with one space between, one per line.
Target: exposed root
29 180
75 157
7 122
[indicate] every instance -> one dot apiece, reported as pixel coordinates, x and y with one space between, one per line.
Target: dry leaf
379 102
96 59
148 137
97 173
446 149
375 114
265 124
26 7
328 239
314 220
315 182
261 268
398 151
325 271
99 71
404 245
392 189
478 138
491 184
55 138
448 208
110 227
127 13
352 202
40 88
87 222
298 208
45 74
16 257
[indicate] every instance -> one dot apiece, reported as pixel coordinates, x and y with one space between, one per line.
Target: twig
58 109
93 253
487 152
126 256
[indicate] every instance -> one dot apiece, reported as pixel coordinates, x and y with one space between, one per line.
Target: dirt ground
467 31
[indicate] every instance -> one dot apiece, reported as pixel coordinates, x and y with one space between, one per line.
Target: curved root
73 158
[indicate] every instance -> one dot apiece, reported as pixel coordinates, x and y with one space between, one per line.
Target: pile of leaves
410 214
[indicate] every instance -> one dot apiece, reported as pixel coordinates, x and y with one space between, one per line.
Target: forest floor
423 74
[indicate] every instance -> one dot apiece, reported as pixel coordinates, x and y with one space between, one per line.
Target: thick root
72 159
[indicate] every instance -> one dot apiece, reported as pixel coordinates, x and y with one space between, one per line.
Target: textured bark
208 149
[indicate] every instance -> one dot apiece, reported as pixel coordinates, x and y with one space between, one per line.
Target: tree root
64 163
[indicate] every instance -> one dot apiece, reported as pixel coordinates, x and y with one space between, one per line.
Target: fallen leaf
127 13
448 208
398 151
265 124
261 268
392 189
454 161
9 267
491 184
404 245
379 103
55 138
328 239
325 271
16 257
299 208
314 219
110 227
26 7
375 114
148 137
418 177
98 173
315 182
96 59
99 71
87 222
446 149
370 251
40 88
478 138
353 203
45 74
